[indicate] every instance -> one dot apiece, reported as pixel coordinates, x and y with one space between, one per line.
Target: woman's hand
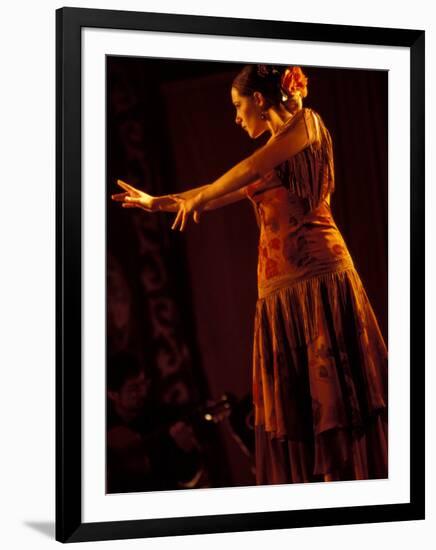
194 206
134 198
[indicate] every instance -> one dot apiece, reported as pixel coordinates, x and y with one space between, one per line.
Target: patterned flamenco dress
319 358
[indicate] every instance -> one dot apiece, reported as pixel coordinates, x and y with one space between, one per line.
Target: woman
319 359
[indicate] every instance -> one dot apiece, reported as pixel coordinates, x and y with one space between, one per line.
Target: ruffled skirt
319 383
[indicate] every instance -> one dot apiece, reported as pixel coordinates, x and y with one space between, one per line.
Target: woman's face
248 112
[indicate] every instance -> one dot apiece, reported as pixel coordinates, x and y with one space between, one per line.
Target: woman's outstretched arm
189 193
298 134
135 198
228 198
301 132
261 184
230 187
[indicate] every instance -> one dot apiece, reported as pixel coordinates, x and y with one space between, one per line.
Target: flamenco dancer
319 374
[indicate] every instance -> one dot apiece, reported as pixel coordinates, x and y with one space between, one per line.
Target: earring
263 115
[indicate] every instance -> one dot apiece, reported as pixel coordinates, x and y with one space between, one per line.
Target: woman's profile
319 377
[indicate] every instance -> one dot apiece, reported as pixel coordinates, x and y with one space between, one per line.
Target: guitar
131 445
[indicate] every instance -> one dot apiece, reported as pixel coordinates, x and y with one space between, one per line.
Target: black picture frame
69 524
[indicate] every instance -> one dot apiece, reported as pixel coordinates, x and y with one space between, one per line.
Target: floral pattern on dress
294 243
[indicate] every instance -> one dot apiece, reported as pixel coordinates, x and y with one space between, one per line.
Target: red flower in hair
293 80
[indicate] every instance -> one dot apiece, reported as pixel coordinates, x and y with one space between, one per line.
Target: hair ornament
265 71
293 80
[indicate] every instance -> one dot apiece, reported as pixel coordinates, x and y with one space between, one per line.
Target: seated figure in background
148 449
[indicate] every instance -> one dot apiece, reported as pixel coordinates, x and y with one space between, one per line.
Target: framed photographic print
240 275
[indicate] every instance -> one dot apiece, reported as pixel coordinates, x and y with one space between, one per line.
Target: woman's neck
278 118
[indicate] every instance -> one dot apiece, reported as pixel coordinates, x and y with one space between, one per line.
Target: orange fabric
319 359
326 325
298 235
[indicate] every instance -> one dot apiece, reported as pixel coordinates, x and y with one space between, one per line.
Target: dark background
183 303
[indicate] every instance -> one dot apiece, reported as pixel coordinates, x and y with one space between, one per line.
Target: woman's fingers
125 185
184 220
128 187
132 198
135 205
183 214
181 219
176 221
119 196
136 200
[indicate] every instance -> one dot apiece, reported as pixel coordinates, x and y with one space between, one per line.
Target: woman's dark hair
274 82
259 78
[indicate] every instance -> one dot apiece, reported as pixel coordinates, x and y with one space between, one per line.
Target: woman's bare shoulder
313 122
